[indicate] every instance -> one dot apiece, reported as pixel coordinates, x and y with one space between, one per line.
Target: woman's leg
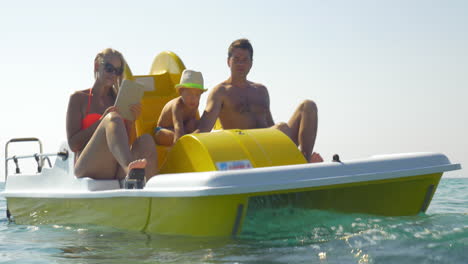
143 148
106 151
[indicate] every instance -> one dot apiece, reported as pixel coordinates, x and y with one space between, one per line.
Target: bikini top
92 118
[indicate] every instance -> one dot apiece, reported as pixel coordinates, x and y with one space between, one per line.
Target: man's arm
269 117
212 110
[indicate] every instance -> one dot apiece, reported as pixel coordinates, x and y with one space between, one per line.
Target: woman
96 132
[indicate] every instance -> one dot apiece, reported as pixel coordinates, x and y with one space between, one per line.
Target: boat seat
152 104
98 185
250 148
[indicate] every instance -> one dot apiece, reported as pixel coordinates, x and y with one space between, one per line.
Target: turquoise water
286 236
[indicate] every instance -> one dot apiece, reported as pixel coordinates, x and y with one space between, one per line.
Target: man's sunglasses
109 68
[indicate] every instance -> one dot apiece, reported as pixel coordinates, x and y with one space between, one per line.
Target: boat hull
395 197
130 213
223 215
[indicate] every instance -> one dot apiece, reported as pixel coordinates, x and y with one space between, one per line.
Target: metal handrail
40 157
16 140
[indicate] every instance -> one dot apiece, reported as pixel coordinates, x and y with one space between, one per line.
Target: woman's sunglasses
109 68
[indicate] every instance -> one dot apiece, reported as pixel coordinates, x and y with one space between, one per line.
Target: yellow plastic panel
169 62
223 215
129 213
268 147
201 152
165 73
198 152
154 101
391 197
217 125
127 74
198 216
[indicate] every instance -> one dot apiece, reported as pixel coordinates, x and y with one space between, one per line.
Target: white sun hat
191 79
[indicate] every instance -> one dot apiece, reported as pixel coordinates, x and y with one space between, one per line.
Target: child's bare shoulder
171 104
178 103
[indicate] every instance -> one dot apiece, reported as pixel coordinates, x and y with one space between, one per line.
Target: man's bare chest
246 103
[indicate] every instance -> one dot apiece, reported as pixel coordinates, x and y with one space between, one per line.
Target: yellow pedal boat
208 182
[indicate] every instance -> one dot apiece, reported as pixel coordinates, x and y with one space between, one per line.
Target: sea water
288 235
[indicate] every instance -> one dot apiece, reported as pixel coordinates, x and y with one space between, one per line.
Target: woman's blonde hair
99 59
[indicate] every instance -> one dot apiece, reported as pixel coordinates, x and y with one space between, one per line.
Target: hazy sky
387 76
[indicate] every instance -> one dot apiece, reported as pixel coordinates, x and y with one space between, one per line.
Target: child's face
190 96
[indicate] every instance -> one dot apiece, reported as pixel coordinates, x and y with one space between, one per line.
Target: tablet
130 92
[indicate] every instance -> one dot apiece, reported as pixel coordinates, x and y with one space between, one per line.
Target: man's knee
309 106
283 127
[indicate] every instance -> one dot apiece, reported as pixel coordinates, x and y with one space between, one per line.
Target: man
243 104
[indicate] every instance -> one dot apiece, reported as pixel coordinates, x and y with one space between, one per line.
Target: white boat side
60 182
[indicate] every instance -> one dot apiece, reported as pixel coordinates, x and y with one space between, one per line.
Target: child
178 116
